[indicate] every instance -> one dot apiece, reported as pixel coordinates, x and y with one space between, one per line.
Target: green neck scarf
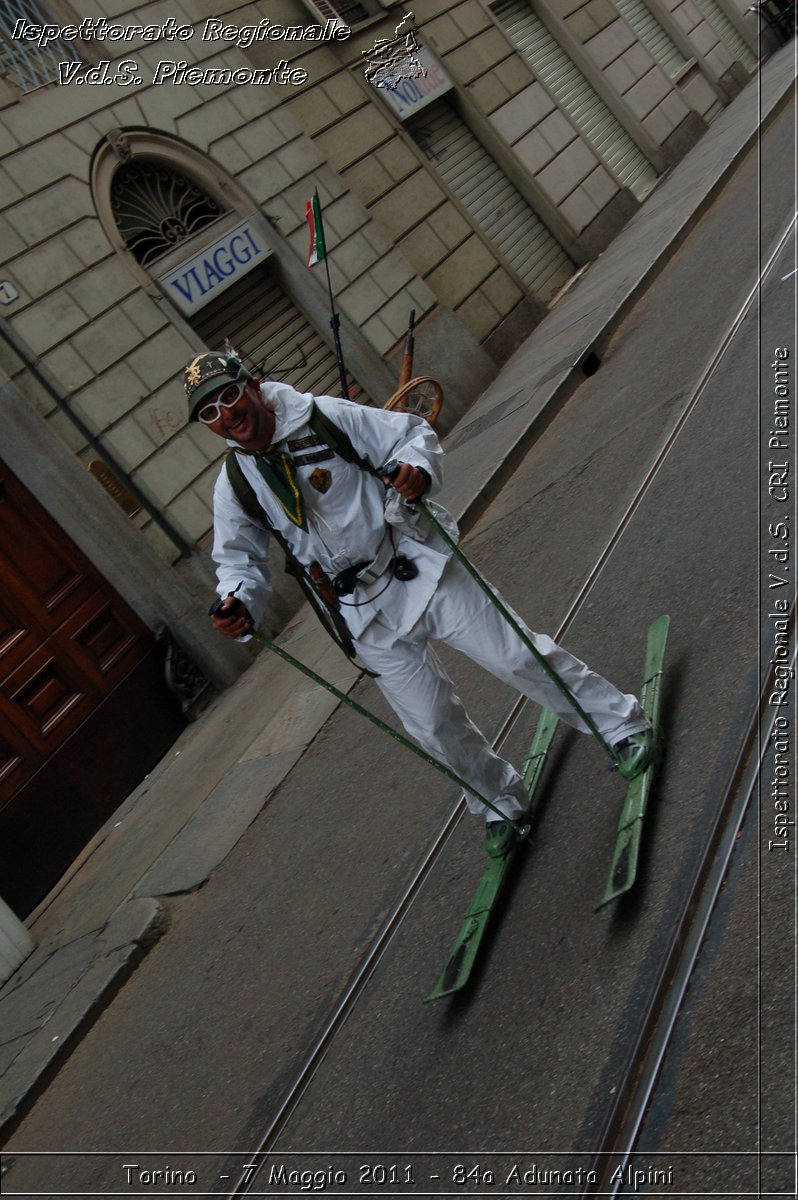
275 467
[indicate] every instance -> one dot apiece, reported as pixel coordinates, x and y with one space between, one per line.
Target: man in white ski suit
340 516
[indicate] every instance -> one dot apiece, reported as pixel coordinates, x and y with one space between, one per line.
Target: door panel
84 707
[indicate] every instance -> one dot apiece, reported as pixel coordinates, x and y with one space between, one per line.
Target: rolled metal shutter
657 40
497 207
727 33
265 327
572 92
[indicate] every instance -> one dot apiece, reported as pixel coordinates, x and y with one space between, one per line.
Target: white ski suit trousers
415 684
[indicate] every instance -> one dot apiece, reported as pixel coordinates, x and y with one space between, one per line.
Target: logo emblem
321 479
193 373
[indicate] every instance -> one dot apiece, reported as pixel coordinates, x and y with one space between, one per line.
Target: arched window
157 207
188 230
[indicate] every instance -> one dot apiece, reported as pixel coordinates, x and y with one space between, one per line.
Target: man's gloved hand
230 618
410 482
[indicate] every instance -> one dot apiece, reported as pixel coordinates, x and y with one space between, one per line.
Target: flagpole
335 321
335 324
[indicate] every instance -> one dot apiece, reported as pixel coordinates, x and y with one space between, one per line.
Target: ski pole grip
391 470
219 601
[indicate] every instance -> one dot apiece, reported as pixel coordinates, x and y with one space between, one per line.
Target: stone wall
112 346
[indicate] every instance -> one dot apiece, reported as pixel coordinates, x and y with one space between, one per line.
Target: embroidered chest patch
321 479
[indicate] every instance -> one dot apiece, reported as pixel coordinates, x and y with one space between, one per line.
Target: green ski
630 824
466 948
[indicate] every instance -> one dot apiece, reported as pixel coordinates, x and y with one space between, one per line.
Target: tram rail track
665 998
639 1077
636 1086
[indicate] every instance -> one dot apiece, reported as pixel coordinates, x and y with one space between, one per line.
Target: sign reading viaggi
208 273
410 95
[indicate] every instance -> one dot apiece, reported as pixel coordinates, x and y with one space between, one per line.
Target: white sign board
208 273
411 95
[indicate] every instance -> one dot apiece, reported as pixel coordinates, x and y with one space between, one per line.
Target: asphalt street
531 1058
729 1078
195 1052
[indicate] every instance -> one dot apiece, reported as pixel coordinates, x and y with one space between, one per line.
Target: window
350 12
658 43
157 207
573 93
727 33
27 64
498 209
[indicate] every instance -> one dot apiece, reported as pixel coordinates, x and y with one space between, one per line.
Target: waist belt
344 582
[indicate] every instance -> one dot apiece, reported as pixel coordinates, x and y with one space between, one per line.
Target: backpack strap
338 440
245 495
313 582
244 491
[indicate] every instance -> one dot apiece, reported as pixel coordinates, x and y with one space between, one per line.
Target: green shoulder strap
245 495
335 438
330 617
338 441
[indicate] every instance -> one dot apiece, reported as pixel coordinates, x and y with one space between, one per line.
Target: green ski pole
521 830
389 469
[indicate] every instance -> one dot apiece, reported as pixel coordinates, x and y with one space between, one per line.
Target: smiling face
249 422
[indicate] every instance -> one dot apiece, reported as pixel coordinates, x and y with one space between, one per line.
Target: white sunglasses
229 397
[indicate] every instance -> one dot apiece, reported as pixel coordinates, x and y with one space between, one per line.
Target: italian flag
318 250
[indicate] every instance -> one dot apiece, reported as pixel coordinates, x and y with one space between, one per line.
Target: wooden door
84 709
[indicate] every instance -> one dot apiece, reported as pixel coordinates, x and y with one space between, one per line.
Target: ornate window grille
26 64
157 207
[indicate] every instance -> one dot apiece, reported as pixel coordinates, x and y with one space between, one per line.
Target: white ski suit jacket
347 522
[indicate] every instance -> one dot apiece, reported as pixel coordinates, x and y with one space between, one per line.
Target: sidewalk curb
99 961
110 958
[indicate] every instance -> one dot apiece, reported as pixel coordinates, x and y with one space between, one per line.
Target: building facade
470 157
